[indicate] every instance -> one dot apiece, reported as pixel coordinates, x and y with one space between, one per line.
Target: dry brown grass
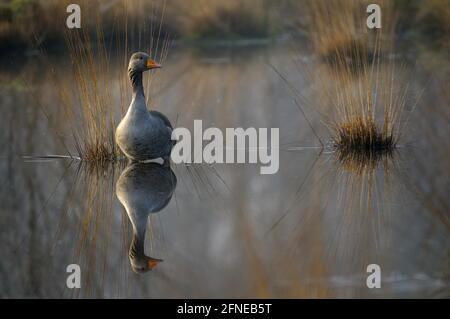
88 102
369 111
361 162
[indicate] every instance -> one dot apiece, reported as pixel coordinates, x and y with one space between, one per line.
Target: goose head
141 62
141 263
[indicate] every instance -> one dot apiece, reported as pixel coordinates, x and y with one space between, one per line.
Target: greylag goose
142 134
144 189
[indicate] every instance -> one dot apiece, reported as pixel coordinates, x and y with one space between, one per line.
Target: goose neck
137 243
136 82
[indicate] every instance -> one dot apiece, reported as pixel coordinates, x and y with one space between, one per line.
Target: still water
224 230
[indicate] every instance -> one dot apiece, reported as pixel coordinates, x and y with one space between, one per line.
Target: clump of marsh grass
362 134
368 111
88 103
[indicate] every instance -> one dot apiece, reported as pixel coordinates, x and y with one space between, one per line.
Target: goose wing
162 117
165 120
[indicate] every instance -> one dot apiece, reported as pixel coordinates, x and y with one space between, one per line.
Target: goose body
142 134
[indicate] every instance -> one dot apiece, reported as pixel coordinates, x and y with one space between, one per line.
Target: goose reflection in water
144 189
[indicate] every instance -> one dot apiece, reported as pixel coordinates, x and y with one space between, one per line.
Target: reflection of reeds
94 236
359 161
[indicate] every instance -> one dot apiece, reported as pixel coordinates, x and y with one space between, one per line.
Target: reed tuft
88 103
362 134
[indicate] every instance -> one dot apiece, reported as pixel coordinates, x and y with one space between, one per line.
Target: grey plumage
143 134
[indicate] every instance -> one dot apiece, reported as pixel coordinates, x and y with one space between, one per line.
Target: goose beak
153 262
151 64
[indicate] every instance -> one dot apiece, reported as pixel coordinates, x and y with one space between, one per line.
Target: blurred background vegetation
30 23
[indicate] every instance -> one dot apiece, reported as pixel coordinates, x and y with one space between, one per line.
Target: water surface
309 230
